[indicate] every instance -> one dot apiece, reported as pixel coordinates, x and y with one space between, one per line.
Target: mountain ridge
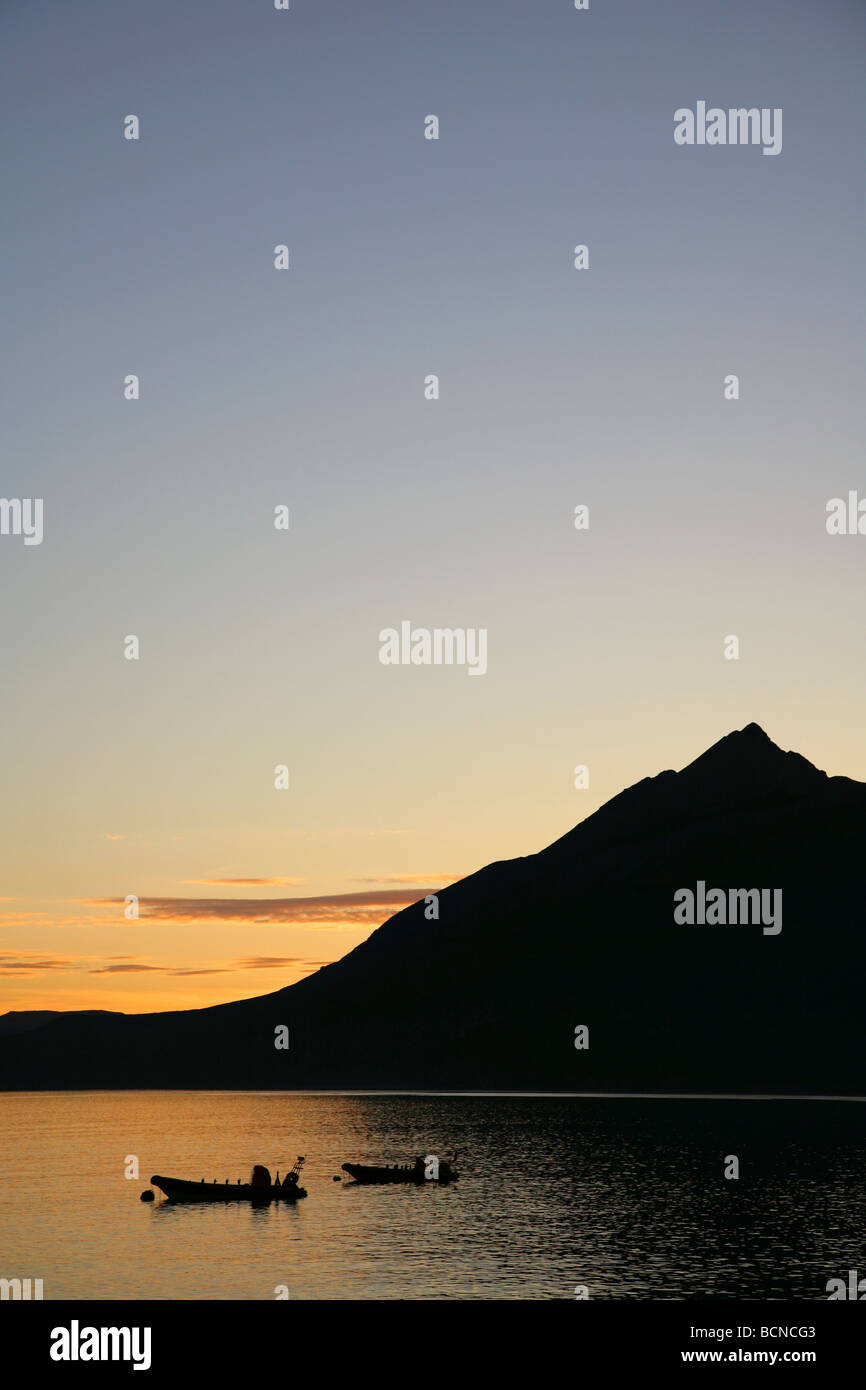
525 950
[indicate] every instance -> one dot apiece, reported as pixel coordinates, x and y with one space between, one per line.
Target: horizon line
524 1095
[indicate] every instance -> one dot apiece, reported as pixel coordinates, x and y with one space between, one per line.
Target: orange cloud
411 878
23 963
130 967
250 882
271 962
32 920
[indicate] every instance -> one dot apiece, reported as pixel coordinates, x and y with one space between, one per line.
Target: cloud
130 967
250 882
411 878
33 922
214 970
23 963
330 909
272 962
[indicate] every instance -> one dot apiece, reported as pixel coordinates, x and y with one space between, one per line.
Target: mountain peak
753 732
748 742
748 758
523 944
743 770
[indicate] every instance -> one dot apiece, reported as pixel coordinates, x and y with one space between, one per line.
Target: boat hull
364 1173
180 1190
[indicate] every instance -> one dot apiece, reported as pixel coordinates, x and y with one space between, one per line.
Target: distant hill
582 933
27 1020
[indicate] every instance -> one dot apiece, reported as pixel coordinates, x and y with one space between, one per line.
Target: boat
418 1172
259 1189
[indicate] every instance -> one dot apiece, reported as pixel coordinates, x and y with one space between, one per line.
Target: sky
305 388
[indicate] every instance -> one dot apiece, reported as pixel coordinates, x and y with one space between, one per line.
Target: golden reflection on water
626 1197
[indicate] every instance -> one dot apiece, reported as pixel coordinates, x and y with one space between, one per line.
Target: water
626 1197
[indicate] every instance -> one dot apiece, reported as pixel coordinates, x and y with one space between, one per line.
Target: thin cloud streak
332 909
232 967
249 882
19 964
23 964
411 878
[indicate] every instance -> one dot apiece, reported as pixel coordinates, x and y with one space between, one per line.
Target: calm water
627 1197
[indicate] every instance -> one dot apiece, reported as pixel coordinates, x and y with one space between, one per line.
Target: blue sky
305 387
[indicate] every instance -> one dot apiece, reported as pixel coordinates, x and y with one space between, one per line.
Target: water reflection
625 1197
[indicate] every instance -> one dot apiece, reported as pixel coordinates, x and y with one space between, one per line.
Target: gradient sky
305 387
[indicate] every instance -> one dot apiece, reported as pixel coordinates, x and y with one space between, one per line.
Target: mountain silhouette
526 951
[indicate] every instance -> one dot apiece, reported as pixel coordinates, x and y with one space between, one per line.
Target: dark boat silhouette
418 1172
258 1189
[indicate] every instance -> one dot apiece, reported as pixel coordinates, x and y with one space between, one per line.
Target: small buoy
147 1195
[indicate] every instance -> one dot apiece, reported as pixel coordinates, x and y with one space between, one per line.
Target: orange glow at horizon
67 943
168 976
